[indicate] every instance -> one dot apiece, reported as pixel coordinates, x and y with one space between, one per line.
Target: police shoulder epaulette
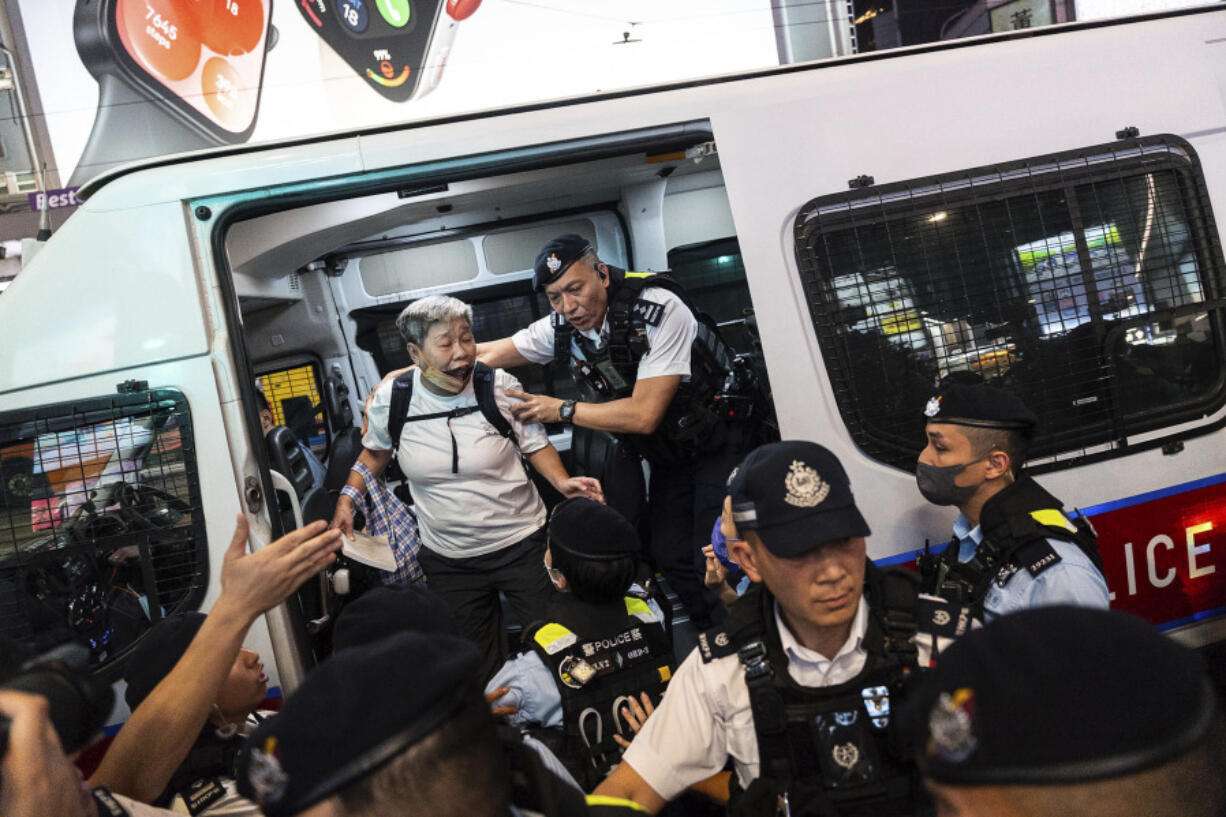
1036 556
107 805
941 617
715 643
649 312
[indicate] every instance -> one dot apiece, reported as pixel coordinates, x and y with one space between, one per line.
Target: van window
293 395
1078 281
101 528
713 275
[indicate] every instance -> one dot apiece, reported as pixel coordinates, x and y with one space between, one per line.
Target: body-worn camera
78 702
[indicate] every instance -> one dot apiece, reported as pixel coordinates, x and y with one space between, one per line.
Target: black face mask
937 484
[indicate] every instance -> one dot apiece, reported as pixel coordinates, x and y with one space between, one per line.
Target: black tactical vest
599 657
1016 524
834 751
721 389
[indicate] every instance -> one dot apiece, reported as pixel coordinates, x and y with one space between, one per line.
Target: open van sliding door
280 210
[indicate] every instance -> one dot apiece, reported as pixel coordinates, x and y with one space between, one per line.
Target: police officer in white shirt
650 372
800 686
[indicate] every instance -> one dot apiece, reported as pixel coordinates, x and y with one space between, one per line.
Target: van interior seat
346 446
285 457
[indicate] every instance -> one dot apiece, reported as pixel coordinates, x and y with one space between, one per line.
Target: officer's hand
499 711
259 581
636 716
581 486
716 573
342 517
38 779
535 408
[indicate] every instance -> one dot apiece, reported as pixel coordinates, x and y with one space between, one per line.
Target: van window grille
1088 283
101 527
293 397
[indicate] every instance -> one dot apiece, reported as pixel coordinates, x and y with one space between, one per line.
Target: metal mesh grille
101 527
293 397
1088 283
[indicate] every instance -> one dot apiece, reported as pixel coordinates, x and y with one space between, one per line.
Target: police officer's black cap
157 653
590 530
556 257
982 406
795 495
355 712
389 610
1058 695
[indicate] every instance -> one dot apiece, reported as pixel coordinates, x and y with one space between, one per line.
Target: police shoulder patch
649 312
941 617
1036 556
202 794
715 643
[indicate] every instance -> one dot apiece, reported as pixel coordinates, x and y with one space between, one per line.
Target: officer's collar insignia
951 726
553 262
268 779
847 755
933 408
805 488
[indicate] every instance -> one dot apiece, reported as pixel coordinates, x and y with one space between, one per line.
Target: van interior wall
304 326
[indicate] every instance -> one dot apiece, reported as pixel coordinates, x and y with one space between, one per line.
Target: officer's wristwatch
566 412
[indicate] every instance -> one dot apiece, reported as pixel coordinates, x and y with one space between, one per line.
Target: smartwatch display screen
207 53
384 41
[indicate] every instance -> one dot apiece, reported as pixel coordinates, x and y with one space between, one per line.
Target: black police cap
389 610
354 713
556 257
590 530
1058 695
981 406
795 495
157 653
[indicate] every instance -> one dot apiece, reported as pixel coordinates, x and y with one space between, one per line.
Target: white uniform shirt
705 715
491 503
669 342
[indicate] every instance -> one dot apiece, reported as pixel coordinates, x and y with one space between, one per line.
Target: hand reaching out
499 711
259 581
636 716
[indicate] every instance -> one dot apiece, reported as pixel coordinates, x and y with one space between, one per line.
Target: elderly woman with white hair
480 517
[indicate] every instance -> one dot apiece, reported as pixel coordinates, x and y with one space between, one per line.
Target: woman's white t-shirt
490 503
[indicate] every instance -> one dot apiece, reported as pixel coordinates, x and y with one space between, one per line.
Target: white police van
1036 210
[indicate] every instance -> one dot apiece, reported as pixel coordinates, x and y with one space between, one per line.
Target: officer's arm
500 354
625 782
640 413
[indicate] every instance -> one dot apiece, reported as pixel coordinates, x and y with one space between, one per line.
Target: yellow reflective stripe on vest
554 638
606 800
639 609
1053 519
639 274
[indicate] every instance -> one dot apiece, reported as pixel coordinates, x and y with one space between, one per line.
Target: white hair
416 319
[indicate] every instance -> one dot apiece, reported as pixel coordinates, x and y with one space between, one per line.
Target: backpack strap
483 383
402 395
